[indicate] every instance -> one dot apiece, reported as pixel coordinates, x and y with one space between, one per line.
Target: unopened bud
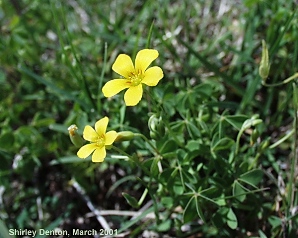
156 126
152 122
124 136
254 136
264 65
264 145
75 138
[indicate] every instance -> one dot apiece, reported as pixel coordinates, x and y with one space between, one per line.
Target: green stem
149 142
281 83
291 195
132 159
146 171
287 136
255 161
122 152
143 197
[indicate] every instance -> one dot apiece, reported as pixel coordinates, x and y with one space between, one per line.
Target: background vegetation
226 169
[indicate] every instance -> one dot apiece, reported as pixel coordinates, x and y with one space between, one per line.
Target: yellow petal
99 154
86 150
101 126
89 134
152 76
123 65
110 137
133 95
114 86
144 58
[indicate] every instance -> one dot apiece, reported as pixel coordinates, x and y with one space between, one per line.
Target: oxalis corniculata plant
175 131
184 171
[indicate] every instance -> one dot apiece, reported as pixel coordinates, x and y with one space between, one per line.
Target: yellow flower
99 140
134 76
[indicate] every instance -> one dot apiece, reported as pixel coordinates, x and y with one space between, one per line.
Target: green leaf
193 130
189 214
126 225
6 140
59 128
164 226
181 155
218 219
232 220
69 160
4 231
262 234
131 200
192 145
14 21
168 176
239 191
221 202
235 120
43 122
204 89
168 146
252 177
178 188
274 221
167 202
154 167
222 144
199 210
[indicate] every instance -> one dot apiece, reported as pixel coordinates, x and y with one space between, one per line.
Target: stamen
100 142
136 78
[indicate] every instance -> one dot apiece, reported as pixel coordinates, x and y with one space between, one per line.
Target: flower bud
254 136
152 123
124 136
265 144
153 135
264 65
156 126
75 138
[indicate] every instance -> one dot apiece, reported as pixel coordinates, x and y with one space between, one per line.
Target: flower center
100 141
135 78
